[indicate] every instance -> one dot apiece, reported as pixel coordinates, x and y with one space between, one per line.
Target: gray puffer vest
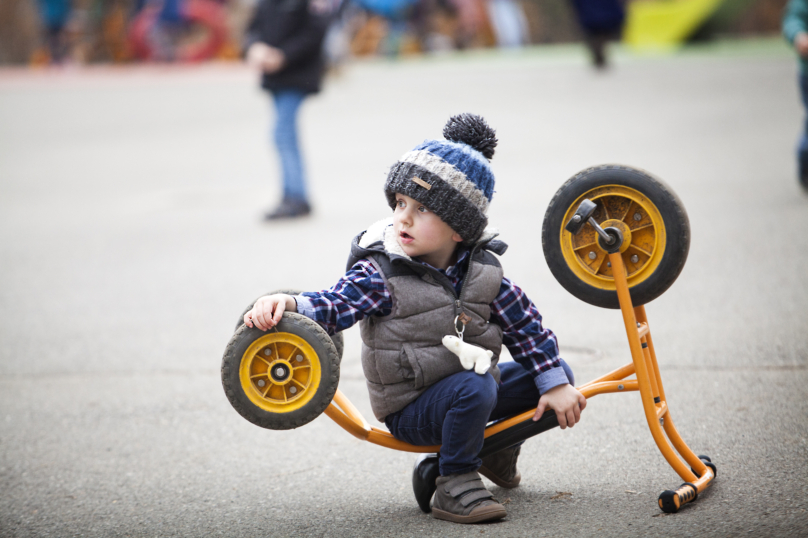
402 353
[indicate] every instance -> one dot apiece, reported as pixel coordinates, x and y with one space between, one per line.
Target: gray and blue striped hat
452 178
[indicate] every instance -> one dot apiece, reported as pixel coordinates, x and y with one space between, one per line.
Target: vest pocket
409 362
430 364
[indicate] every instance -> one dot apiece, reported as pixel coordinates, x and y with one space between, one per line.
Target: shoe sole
498 481
486 513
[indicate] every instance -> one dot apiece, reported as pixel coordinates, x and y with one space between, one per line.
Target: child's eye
400 203
422 209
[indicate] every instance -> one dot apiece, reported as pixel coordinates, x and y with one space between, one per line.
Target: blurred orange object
206 13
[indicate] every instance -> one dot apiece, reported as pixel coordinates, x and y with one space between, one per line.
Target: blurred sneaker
500 468
289 209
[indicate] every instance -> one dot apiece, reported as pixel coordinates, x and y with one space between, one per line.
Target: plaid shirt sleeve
361 292
530 344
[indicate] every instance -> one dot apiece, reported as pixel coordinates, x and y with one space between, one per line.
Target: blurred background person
600 21
509 23
55 14
795 29
285 42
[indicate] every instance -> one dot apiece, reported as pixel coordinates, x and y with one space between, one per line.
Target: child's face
421 233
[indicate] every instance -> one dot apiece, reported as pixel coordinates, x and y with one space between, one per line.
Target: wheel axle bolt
637 216
635 259
592 255
261 382
267 352
299 358
293 390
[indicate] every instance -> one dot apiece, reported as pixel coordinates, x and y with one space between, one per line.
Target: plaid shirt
361 292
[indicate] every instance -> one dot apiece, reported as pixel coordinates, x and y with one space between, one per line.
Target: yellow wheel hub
280 372
643 232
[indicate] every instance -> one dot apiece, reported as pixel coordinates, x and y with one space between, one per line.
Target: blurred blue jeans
802 148
287 103
454 411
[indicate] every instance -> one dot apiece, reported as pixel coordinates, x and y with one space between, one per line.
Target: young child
426 273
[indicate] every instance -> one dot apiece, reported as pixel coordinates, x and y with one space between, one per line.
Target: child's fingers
562 419
279 309
540 410
582 401
261 312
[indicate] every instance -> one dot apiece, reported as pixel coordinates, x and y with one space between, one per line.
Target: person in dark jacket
600 21
285 41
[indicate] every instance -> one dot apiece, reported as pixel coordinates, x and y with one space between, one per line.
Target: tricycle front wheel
339 341
283 378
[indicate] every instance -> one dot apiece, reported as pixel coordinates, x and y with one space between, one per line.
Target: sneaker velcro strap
475 496
471 485
463 483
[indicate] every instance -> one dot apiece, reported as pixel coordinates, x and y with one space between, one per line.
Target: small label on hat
421 182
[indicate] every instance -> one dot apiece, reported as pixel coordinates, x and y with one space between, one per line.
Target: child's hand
267 59
268 311
801 44
567 403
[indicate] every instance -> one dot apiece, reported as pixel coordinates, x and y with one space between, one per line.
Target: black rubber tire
338 339
674 219
666 502
709 463
326 355
424 473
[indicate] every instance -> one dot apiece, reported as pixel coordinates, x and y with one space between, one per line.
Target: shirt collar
453 271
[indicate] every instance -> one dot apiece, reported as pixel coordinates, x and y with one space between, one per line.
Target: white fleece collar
382 230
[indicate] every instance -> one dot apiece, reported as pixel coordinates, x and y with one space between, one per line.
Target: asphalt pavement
131 239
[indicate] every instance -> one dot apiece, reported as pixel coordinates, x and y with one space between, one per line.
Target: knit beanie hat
452 178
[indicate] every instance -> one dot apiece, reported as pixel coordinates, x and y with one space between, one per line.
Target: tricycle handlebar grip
581 216
672 501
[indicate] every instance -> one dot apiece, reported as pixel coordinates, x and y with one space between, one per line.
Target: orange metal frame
647 381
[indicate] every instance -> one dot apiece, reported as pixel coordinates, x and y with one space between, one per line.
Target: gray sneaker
500 467
462 498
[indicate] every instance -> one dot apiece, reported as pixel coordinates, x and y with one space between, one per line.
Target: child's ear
456 238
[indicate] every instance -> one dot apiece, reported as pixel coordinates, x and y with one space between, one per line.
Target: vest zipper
459 300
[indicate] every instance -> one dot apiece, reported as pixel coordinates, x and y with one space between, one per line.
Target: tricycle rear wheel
652 217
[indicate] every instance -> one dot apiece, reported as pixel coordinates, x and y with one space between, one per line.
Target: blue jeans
454 412
287 103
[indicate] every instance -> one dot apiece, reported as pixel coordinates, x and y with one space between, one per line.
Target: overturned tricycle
613 236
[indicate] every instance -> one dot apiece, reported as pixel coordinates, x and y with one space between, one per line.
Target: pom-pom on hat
453 177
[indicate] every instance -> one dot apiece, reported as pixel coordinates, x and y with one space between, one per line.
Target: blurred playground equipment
660 24
179 30
39 32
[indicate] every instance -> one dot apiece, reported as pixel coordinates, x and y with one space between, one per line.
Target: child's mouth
405 237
